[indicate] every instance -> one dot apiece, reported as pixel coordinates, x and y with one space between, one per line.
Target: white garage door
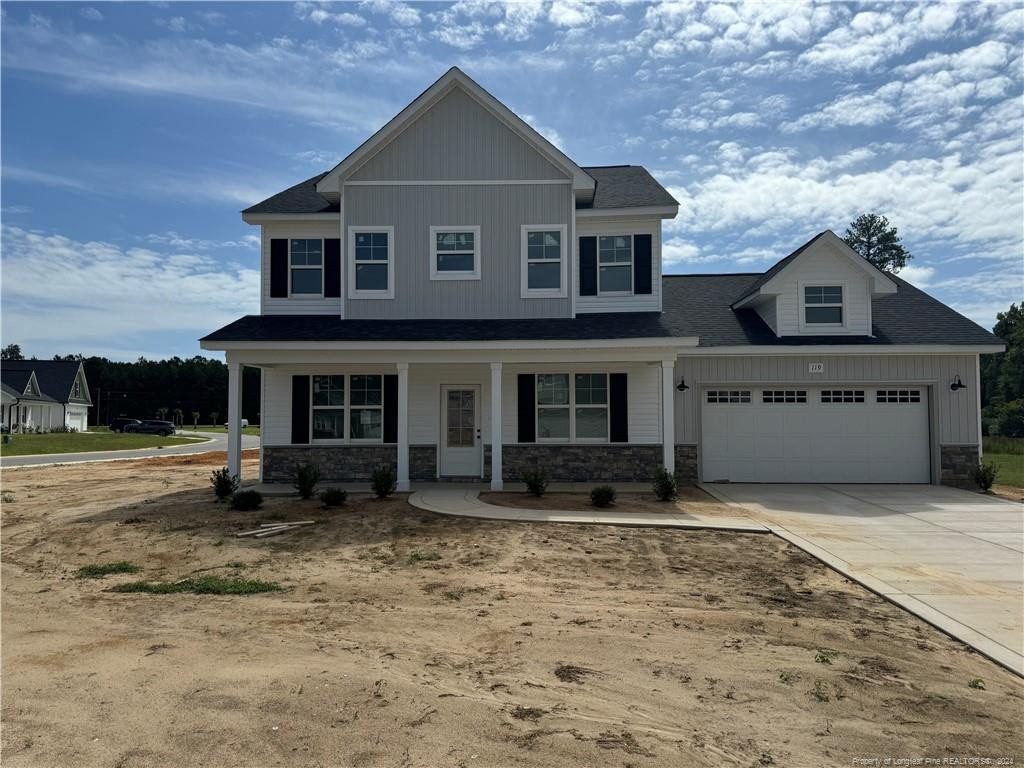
793 434
77 420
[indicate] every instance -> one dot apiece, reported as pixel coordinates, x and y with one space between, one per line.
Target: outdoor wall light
681 386
957 384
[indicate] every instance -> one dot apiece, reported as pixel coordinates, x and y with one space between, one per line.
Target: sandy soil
522 644
691 499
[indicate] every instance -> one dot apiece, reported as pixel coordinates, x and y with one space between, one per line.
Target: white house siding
623 226
499 211
954 417
823 267
77 416
294 306
457 139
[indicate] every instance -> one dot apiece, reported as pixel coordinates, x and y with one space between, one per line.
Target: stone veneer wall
423 462
345 463
602 463
957 461
686 463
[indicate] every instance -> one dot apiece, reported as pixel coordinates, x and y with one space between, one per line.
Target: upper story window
455 253
615 264
371 272
823 305
543 261
306 259
76 390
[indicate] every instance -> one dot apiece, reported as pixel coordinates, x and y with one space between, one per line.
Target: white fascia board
653 211
846 349
880 282
666 343
266 218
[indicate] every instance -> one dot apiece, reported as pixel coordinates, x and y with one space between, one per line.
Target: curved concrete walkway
464 501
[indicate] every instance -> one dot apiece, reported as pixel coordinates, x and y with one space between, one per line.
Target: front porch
602 414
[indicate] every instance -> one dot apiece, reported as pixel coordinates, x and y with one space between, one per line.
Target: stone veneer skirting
957 461
602 463
686 463
345 463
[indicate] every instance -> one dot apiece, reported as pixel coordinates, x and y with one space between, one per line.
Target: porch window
553 406
591 406
615 264
455 253
328 407
572 408
366 416
306 258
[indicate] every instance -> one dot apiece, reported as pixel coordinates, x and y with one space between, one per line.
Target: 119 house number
815 367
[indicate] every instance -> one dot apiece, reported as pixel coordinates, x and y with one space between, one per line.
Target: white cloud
33 176
90 13
919 275
401 14
174 23
572 13
59 293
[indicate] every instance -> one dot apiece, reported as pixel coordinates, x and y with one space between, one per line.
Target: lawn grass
204 585
75 442
251 430
96 571
1006 454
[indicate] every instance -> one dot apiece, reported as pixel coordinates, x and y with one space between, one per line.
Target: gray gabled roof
55 377
694 305
776 268
618 186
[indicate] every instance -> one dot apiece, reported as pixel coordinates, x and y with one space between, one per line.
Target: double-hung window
306 258
455 253
823 305
364 404
543 261
371 273
615 264
572 407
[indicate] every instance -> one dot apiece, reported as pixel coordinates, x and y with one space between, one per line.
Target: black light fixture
957 384
681 386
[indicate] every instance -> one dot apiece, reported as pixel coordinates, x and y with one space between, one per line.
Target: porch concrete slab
952 557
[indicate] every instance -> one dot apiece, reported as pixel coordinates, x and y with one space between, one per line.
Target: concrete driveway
954 558
215 441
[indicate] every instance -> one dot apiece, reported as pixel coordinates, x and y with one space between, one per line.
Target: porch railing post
235 419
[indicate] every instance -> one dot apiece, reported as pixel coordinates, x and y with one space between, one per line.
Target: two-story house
460 299
41 395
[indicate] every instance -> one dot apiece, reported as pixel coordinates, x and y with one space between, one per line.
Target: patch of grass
455 595
252 430
977 684
1006 454
820 691
528 713
85 442
788 676
204 585
999 444
825 655
419 557
571 673
97 571
7 497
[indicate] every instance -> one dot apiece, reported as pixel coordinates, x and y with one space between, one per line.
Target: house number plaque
815 367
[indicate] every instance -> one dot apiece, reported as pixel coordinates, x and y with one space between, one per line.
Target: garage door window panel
728 396
898 396
791 396
832 396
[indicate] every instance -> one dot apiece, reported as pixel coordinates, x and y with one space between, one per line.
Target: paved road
954 558
218 442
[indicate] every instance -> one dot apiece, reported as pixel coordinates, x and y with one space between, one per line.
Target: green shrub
664 487
602 496
306 477
99 571
536 481
333 497
984 475
1011 419
224 483
204 585
246 500
977 684
64 429
383 481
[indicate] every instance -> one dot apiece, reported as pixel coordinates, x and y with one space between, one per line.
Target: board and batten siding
457 138
623 226
294 306
954 417
499 211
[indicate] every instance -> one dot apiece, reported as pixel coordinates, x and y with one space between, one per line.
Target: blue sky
134 133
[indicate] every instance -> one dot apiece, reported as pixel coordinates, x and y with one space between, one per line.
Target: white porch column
235 419
496 480
668 418
403 426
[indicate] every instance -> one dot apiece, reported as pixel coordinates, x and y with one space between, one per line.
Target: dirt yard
402 638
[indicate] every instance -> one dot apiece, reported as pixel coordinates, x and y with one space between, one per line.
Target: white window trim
323 257
351 262
347 408
473 274
525 292
572 409
629 264
804 325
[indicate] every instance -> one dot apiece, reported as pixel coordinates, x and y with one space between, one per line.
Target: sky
134 133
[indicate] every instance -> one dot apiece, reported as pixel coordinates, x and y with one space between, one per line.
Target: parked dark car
119 424
151 427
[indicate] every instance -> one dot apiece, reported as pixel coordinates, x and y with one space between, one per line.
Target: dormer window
823 305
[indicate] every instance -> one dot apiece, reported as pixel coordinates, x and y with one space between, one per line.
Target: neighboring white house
39 395
459 299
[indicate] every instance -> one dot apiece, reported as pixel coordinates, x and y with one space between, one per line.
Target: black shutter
641 264
588 266
279 268
391 409
300 410
618 408
527 406
332 268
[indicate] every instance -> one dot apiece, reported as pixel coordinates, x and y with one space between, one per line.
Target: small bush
984 475
536 480
306 477
664 487
419 557
224 483
977 684
383 481
204 585
7 497
99 571
602 496
333 497
245 501
64 429
825 655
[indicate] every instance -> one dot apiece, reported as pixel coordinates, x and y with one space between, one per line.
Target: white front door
460 453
